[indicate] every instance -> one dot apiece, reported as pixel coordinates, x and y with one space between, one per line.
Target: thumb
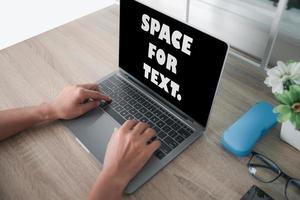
89 106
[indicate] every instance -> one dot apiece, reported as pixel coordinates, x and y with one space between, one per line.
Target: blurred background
20 20
249 26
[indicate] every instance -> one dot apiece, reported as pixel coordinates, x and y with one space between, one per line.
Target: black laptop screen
176 61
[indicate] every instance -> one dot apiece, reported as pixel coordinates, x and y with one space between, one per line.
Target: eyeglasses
266 171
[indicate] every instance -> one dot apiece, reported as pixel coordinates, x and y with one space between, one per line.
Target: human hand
128 151
74 101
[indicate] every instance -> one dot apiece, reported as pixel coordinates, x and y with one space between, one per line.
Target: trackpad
94 130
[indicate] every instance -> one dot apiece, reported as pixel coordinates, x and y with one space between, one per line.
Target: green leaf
283 117
283 98
293 95
282 109
287 84
297 89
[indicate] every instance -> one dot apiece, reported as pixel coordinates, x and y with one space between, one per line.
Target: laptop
168 76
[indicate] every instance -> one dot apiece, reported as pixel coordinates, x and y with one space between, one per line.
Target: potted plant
284 79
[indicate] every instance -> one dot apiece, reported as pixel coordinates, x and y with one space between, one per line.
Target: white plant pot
290 135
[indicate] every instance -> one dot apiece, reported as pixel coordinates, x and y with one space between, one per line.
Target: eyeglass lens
267 171
292 190
263 169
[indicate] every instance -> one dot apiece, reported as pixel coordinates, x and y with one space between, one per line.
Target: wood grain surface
45 162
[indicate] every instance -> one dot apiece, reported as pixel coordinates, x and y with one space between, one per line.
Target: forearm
107 188
15 120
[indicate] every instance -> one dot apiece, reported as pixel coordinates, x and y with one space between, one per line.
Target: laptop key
114 79
132 111
170 142
135 96
166 128
113 96
144 119
154 119
184 133
127 98
163 117
147 105
132 102
169 121
117 99
124 113
160 124
122 103
157 113
189 130
137 106
148 114
172 133
141 100
165 148
179 139
129 116
152 109
102 87
161 135
159 154
112 104
127 107
119 109
175 126
131 93
122 94
143 110
138 115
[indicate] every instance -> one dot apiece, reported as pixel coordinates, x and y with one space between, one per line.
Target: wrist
114 181
107 187
47 112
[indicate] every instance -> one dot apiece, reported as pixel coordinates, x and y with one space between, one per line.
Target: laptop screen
176 61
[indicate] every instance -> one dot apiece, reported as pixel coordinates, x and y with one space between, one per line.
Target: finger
95 95
128 125
152 147
88 106
89 86
148 134
139 128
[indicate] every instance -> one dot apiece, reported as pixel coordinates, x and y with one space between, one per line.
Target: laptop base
93 131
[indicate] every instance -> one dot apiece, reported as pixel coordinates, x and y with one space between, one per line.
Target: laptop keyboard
129 103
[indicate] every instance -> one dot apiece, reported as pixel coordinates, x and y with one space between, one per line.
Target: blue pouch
243 134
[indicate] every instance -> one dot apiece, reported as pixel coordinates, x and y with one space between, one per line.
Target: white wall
22 19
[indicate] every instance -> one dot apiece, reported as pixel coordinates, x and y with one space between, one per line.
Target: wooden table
47 163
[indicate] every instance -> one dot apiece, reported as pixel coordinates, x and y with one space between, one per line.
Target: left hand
74 101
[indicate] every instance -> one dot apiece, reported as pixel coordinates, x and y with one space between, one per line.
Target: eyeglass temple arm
296 183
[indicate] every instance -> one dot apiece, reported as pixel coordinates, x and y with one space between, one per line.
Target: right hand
128 151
